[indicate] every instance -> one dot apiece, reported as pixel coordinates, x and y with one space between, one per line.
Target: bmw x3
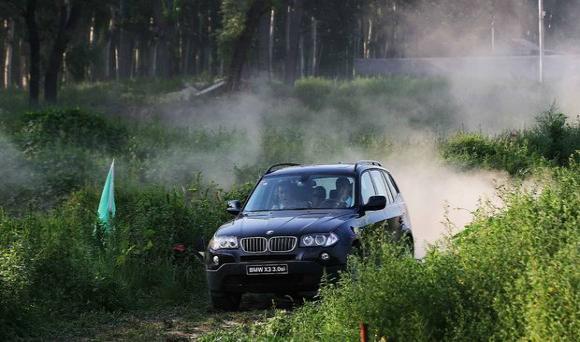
300 222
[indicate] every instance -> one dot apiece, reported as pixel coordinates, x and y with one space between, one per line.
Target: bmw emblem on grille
270 232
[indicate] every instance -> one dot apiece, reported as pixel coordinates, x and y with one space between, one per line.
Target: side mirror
234 207
375 203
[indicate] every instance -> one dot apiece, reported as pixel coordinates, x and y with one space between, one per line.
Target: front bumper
303 276
305 271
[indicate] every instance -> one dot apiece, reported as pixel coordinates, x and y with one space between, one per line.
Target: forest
195 99
44 44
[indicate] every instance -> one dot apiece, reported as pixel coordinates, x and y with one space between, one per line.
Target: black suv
300 222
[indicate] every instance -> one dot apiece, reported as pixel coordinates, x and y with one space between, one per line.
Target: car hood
285 223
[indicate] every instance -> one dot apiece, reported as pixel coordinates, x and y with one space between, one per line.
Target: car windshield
302 192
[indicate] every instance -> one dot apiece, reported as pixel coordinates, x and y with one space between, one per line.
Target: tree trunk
125 56
301 50
295 13
191 63
108 53
203 43
2 52
391 50
34 48
9 57
271 43
68 17
314 34
264 45
153 58
16 63
244 41
215 24
185 54
163 46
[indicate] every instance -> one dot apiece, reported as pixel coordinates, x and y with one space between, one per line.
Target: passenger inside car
344 192
318 196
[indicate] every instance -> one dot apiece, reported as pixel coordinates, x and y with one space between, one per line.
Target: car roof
322 169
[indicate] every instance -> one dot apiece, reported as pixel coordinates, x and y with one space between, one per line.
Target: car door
391 221
399 206
367 190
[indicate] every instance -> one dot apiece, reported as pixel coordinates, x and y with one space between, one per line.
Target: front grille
254 244
257 244
282 243
268 257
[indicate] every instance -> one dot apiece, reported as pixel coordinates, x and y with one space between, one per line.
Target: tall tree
2 52
28 11
69 13
244 41
294 23
34 48
125 41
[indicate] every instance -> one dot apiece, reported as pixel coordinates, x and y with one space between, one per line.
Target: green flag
107 207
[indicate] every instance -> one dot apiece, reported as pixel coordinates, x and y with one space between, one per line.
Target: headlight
318 240
223 242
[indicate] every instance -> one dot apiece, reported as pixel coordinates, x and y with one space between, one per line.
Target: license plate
267 269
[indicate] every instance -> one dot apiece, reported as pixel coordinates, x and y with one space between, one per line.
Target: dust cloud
492 63
441 199
15 175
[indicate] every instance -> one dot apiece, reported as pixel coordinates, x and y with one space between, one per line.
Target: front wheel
225 301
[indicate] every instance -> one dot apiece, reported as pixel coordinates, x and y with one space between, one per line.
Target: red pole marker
363 332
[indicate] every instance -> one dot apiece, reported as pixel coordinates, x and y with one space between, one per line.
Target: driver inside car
344 192
318 196
286 197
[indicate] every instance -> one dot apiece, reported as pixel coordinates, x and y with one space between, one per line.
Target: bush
52 264
313 91
552 141
505 152
14 289
44 129
554 137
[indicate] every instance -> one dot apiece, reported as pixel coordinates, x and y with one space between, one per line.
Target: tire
225 301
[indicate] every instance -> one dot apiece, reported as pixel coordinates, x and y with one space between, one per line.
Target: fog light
216 260
324 256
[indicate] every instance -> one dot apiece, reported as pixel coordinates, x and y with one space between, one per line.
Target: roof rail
367 162
271 168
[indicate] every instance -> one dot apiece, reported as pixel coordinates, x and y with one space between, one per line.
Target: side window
366 187
381 185
392 185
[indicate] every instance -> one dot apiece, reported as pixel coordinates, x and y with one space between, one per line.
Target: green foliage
509 276
313 91
552 141
44 129
504 152
52 262
14 288
233 14
554 137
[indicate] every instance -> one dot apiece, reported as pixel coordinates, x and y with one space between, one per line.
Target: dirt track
168 323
